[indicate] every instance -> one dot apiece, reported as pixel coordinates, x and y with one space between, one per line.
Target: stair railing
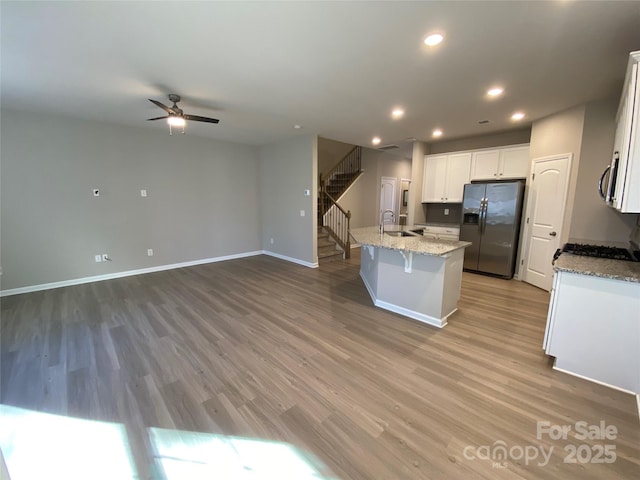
349 167
336 220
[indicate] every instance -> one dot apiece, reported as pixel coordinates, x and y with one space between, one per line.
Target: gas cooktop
600 251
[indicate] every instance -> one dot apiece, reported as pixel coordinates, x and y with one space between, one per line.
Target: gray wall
330 152
286 170
416 212
592 220
558 134
587 131
513 137
203 198
363 198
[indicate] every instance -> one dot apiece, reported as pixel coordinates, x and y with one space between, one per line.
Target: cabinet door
485 165
594 332
514 162
458 166
433 185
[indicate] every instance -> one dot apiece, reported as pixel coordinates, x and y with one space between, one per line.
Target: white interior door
545 213
388 198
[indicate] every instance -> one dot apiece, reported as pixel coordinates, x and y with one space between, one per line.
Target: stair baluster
335 219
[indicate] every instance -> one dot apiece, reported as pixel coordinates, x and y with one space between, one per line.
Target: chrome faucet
393 217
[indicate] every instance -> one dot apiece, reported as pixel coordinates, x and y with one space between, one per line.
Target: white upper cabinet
458 166
515 162
500 163
485 165
445 176
433 184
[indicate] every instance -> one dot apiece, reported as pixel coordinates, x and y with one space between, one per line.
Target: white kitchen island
414 276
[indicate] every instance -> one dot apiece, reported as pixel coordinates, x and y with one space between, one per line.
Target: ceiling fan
176 117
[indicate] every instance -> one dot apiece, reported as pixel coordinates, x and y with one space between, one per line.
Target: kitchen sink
401 233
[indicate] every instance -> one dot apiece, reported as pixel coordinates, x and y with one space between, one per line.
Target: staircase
337 184
328 248
333 220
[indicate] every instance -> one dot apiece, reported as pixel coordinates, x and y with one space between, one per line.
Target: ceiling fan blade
162 106
157 118
197 118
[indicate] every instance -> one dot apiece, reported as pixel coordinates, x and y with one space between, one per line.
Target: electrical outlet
302 214
271 240
307 193
143 193
96 192
446 211
150 252
98 258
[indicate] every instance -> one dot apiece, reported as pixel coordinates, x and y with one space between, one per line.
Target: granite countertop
598 267
418 244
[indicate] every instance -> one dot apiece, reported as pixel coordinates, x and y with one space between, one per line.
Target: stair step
331 257
325 241
328 250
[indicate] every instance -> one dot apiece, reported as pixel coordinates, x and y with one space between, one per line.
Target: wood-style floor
263 348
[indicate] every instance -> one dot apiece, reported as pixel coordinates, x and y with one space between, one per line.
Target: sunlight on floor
198 456
39 445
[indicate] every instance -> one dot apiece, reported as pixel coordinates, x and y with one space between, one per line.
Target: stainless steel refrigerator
491 214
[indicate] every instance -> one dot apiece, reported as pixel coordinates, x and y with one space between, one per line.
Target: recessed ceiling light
297 127
376 140
517 116
437 133
433 39
397 113
495 91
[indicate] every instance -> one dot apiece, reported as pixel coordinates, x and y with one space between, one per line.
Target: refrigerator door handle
483 214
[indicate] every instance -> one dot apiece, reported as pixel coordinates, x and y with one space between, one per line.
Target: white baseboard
290 259
128 273
421 317
604 384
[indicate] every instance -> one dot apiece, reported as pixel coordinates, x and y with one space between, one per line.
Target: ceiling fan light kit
176 117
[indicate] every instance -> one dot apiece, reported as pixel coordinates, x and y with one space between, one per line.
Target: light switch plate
143 193
302 214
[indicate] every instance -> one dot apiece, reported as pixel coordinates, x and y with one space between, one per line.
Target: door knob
553 234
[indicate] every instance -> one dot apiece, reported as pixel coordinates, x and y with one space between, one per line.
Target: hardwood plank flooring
262 348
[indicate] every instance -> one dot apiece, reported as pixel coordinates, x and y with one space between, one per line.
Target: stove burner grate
601 251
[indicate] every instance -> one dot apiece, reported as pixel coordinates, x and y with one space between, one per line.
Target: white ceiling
337 68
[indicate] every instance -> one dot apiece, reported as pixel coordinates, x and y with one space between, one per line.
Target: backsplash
436 213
